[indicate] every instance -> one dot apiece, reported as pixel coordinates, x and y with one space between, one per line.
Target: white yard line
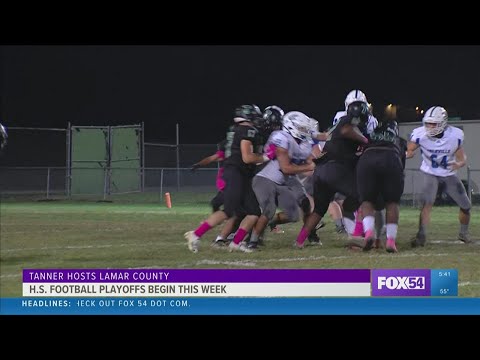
451 242
310 258
469 283
69 247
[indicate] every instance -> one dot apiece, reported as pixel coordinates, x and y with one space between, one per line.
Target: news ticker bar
239 283
241 306
198 289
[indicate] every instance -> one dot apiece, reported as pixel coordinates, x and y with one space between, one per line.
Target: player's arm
286 165
316 151
460 159
250 157
320 136
411 147
352 132
205 161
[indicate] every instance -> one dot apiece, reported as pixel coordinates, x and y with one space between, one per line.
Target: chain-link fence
35 163
50 183
38 161
49 147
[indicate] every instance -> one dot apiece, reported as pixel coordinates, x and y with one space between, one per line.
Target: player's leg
391 190
265 192
193 237
227 229
301 191
344 229
380 227
392 215
250 204
335 212
455 189
325 178
233 181
368 190
429 193
217 201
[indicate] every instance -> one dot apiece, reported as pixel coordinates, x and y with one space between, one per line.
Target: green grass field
138 231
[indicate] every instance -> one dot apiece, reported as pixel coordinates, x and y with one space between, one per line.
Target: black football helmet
250 112
272 118
358 110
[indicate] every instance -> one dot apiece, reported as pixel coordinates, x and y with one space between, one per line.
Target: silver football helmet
297 124
435 120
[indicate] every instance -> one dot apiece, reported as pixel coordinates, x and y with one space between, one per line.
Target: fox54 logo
401 282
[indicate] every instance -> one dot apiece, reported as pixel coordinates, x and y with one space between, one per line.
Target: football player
442 155
335 166
379 174
240 163
291 149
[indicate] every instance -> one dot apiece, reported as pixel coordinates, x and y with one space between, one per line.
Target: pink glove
270 151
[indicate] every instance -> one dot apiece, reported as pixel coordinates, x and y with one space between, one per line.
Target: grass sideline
139 231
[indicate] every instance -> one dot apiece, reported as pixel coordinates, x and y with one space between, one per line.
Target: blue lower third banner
239 306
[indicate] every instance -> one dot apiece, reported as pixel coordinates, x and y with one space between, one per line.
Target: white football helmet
297 124
353 96
438 116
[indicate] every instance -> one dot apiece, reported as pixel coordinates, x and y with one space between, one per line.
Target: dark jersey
385 136
233 153
339 148
402 143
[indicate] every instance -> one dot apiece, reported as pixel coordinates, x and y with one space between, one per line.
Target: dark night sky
199 86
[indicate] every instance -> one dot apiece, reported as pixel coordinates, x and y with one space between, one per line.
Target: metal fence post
178 157
161 184
68 172
142 162
105 179
48 182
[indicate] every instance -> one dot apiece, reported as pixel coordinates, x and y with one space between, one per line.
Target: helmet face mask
435 120
298 125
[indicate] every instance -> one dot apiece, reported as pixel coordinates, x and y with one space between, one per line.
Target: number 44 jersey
437 153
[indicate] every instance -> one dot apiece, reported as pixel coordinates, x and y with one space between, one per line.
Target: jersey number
435 164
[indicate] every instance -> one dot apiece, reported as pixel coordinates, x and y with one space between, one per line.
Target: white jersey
371 125
298 153
437 153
